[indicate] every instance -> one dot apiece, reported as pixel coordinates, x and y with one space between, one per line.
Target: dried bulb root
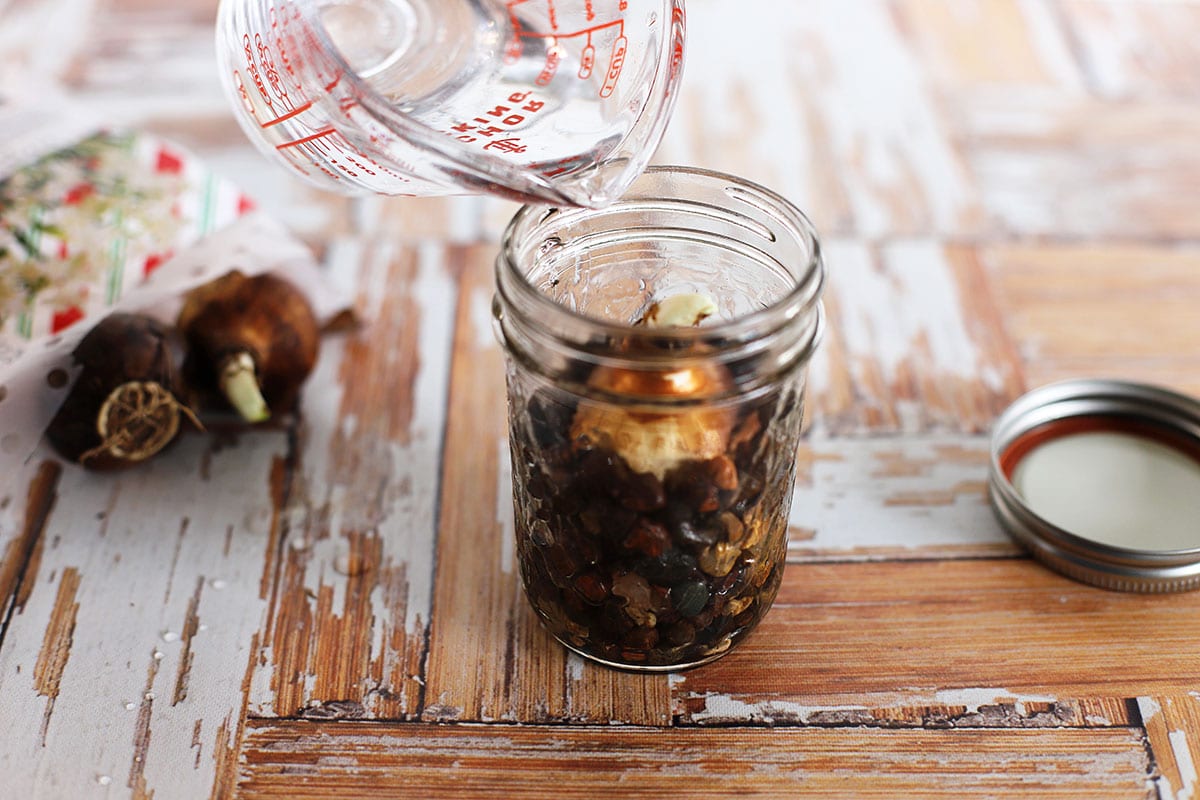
137 420
123 407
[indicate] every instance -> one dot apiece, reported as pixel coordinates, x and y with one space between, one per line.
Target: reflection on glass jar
656 356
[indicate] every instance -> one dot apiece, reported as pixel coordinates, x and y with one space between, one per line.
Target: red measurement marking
553 58
329 87
240 86
581 32
318 135
678 23
587 60
295 111
614 66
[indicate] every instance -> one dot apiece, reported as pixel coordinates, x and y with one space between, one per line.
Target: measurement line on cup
318 135
300 109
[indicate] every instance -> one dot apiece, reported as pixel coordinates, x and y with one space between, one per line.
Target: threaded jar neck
572 284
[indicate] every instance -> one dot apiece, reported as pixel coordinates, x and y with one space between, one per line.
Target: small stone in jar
736 606
734 529
745 433
719 559
614 619
641 491
697 536
689 597
680 634
719 647
648 538
640 639
722 472
592 588
540 533
604 519
559 563
634 589
673 566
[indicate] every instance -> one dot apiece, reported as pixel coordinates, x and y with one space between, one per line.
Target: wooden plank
457 761
1113 41
489 657
915 343
347 632
1050 165
25 504
886 635
830 107
973 44
1105 309
894 497
123 662
1173 731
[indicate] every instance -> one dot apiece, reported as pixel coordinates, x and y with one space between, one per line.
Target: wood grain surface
330 606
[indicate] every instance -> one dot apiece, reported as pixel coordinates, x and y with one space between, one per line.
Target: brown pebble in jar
719 559
559 564
735 531
696 536
635 591
641 491
722 472
640 639
648 538
592 587
736 606
680 634
613 619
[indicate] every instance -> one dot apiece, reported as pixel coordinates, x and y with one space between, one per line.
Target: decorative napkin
94 221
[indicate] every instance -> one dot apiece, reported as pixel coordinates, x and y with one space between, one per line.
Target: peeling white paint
575 667
1149 708
137 581
480 309
505 514
903 309
1050 42
726 708
1187 767
853 502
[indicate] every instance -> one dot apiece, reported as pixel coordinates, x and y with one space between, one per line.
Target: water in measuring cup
515 77
557 100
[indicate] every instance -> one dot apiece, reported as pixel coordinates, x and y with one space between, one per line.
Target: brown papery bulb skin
264 317
655 442
123 406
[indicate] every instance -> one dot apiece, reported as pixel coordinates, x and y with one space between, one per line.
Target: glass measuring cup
553 101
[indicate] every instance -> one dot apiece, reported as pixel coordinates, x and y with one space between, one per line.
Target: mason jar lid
1100 480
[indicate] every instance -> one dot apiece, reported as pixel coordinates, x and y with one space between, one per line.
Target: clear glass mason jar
653 467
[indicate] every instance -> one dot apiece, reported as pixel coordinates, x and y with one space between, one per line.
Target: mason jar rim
804 294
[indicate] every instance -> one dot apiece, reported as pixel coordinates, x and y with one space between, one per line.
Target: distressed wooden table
1006 191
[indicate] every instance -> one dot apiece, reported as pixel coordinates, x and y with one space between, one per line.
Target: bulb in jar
657 441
